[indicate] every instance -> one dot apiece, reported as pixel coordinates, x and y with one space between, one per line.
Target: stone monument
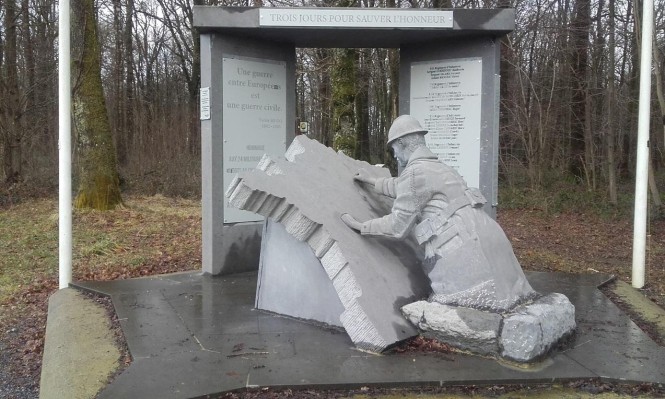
425 222
480 298
448 78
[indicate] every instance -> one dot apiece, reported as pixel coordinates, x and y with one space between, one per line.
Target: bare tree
611 93
11 109
568 107
580 27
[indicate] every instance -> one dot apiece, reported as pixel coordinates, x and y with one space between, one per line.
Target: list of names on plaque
446 99
254 119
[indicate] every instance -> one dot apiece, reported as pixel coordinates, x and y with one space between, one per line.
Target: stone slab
307 192
292 281
607 345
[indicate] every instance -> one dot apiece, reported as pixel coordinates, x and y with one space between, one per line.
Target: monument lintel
356 18
348 27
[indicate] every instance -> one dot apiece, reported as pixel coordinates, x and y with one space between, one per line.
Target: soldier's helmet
405 124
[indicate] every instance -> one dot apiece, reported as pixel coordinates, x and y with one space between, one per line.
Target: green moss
101 192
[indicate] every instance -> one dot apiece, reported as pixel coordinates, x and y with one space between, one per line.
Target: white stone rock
465 328
531 330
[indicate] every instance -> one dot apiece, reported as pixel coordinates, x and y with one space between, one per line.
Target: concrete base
184 331
79 351
239 250
292 281
524 334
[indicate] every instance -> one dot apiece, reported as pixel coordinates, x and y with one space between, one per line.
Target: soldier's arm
399 222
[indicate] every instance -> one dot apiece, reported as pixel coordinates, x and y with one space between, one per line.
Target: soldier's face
399 152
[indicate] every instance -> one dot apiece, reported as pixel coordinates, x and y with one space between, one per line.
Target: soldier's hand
351 222
363 177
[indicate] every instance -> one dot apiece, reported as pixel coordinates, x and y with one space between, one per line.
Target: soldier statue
468 258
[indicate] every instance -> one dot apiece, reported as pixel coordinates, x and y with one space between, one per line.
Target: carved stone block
531 330
470 329
373 278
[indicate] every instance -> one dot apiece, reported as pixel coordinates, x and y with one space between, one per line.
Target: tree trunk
632 81
658 65
343 79
128 96
362 107
194 127
10 105
580 41
611 136
28 53
325 99
589 157
655 194
98 181
442 4
118 104
508 75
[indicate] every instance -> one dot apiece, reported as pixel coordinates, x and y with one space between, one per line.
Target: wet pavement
192 335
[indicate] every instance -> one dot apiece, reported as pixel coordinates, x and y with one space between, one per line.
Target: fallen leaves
575 242
422 345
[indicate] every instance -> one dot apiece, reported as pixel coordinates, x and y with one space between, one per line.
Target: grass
120 243
28 244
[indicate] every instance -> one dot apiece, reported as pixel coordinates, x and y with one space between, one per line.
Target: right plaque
446 99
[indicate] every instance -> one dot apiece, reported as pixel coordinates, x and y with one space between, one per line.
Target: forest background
569 90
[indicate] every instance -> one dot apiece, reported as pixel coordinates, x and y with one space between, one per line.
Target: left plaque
254 119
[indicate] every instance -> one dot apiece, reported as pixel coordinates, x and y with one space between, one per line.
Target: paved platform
192 335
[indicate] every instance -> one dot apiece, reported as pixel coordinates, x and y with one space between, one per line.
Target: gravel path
12 386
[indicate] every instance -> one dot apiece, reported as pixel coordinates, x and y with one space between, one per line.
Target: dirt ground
155 235
585 243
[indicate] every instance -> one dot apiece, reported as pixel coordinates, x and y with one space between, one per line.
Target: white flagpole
64 146
642 168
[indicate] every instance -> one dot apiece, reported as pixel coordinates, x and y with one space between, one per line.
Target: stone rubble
523 334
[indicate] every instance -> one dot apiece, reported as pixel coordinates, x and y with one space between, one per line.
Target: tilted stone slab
307 193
